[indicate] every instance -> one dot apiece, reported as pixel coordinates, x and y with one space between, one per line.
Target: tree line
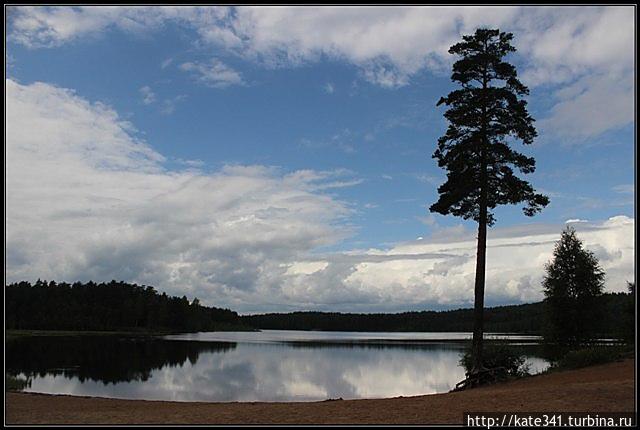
112 306
531 318
120 306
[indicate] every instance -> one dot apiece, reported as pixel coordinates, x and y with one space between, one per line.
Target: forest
525 318
113 306
120 306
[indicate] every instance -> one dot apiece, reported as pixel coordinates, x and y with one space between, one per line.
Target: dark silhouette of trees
104 358
573 283
525 318
107 307
113 306
484 115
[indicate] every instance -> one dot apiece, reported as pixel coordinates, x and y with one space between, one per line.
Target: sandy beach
603 388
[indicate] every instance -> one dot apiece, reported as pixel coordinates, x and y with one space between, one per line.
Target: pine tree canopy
484 115
573 282
574 271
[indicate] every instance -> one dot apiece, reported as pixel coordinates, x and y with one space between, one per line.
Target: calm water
271 365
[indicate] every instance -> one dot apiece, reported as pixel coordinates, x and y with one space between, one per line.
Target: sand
603 388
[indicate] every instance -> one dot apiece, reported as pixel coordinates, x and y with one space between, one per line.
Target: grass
591 355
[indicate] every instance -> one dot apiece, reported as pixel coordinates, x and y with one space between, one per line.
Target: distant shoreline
603 388
14 333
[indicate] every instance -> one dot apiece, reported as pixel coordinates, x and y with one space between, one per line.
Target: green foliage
484 115
498 355
113 306
15 383
573 283
597 354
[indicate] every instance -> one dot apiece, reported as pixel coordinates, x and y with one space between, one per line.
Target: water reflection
106 359
189 370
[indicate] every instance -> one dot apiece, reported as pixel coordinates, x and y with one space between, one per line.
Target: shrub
15 383
498 355
589 356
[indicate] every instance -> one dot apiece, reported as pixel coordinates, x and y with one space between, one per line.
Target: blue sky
346 98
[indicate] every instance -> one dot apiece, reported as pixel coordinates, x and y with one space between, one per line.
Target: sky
271 159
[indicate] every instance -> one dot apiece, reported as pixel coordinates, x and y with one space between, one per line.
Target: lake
271 365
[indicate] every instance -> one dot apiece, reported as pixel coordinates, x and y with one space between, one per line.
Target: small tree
485 115
572 284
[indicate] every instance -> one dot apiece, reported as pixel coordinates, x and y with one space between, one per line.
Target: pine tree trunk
478 313
481 254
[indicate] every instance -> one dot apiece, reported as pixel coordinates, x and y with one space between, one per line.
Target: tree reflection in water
107 359
295 367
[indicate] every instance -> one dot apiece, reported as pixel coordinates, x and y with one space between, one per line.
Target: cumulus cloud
587 52
87 199
439 271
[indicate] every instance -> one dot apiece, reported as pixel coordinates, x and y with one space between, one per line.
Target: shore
604 388
16 333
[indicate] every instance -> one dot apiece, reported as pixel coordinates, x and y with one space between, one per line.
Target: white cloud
591 106
169 105
624 188
51 26
329 88
166 63
585 50
214 74
345 140
574 220
405 38
428 179
385 76
148 96
566 42
428 220
439 271
86 199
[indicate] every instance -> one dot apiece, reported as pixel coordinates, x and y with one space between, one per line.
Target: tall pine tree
485 115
